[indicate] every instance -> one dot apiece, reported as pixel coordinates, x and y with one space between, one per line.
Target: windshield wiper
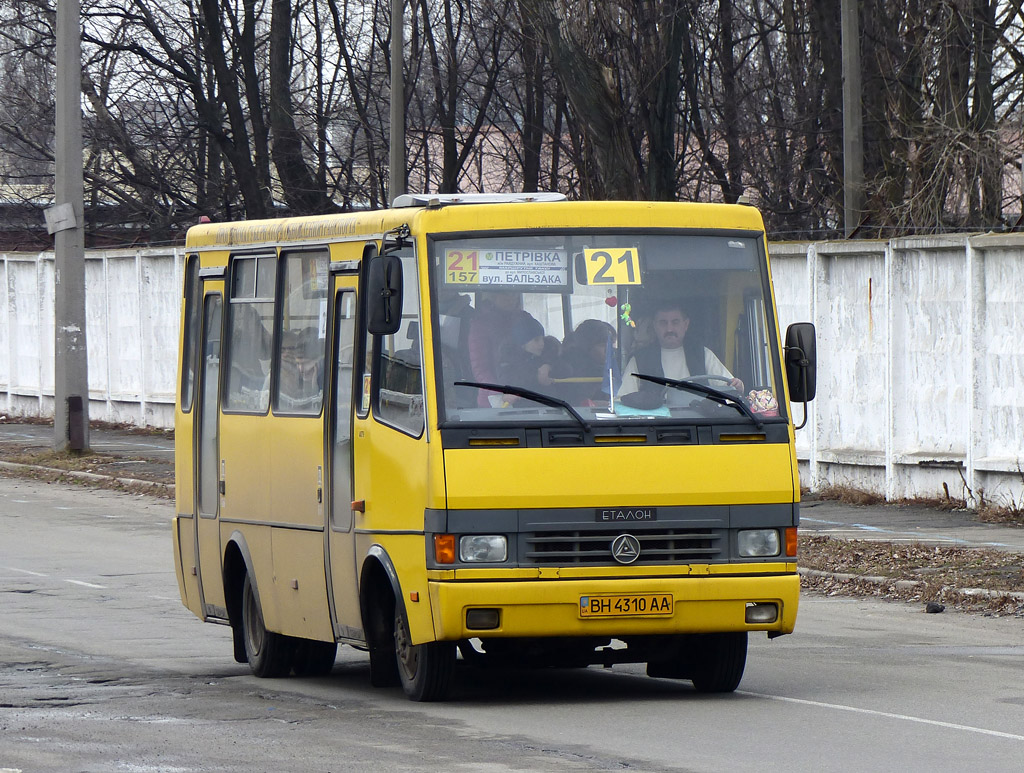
529 394
716 395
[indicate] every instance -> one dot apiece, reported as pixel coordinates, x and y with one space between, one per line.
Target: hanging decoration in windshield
507 268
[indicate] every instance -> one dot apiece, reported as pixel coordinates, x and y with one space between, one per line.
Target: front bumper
540 608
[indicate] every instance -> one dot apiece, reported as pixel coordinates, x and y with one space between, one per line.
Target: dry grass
126 485
122 426
1009 514
914 572
62 460
108 471
849 495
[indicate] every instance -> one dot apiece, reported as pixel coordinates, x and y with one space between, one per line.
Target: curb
91 477
912 584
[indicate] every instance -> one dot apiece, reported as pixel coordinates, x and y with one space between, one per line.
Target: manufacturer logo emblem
625 548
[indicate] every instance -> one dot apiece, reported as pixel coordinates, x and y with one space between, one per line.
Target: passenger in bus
301 377
495 315
588 355
455 312
552 349
521 361
673 356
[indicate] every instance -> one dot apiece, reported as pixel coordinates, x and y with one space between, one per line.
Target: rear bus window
190 334
250 328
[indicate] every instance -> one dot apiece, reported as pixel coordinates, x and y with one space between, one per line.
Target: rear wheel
383 667
269 654
314 658
425 670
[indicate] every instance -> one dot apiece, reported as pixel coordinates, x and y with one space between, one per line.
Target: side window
341 431
250 330
400 397
190 332
208 447
300 376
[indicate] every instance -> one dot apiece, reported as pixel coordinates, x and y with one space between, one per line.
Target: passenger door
343 584
206 443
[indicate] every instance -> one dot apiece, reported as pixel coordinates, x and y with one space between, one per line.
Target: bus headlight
758 543
483 549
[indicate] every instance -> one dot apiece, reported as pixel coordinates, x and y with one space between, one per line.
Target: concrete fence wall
921 364
920 355
132 306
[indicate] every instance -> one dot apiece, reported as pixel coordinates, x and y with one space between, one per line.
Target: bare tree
250 108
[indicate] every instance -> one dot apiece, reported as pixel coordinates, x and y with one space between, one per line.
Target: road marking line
25 571
85 584
886 714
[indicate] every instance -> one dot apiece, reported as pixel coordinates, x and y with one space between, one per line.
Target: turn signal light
791 541
444 548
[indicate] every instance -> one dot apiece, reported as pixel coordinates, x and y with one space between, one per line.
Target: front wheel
269 654
425 670
718 661
714 662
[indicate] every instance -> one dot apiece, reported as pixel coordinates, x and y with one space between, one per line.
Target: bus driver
673 356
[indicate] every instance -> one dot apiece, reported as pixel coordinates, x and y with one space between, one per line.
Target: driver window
400 396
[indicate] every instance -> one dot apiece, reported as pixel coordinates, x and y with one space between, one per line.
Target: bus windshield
604 327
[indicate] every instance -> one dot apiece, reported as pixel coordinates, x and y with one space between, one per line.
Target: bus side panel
184 524
257 539
244 451
295 472
298 585
185 562
391 477
296 499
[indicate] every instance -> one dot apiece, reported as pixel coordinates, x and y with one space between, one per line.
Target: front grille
592 548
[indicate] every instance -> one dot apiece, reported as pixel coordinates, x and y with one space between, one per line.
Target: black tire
314 658
425 670
384 667
269 654
718 660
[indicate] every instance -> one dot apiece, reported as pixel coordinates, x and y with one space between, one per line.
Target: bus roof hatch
444 199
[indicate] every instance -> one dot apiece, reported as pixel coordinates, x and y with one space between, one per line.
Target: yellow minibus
489 429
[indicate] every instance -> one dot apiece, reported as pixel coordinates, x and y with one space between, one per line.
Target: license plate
631 605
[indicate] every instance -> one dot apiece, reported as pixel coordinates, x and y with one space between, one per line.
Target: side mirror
801 362
384 295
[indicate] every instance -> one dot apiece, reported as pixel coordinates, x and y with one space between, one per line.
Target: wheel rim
253 623
408 655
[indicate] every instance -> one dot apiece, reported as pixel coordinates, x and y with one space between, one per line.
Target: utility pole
396 168
853 124
66 221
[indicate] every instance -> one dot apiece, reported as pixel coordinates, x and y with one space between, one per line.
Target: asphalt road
102 669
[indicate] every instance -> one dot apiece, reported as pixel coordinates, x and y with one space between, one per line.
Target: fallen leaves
967 579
